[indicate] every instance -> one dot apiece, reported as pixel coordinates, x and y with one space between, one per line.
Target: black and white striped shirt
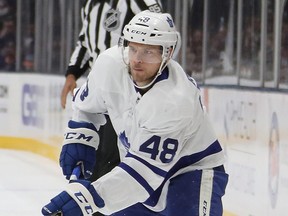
102 25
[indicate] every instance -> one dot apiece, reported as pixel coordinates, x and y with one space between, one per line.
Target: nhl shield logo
112 20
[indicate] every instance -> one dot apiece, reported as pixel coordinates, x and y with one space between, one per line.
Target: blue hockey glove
79 147
79 199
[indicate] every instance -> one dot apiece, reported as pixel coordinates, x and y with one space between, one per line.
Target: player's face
144 61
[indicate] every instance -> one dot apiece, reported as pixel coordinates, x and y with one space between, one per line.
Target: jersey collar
163 76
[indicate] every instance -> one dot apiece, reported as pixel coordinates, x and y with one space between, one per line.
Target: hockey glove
79 147
79 199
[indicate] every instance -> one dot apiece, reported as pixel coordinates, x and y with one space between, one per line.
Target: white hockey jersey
165 131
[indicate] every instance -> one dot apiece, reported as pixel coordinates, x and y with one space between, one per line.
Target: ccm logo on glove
82 199
76 136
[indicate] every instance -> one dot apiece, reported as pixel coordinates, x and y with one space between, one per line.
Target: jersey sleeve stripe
155 169
137 177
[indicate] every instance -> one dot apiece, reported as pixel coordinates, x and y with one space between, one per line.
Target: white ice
27 182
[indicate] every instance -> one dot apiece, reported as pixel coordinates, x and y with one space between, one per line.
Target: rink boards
252 127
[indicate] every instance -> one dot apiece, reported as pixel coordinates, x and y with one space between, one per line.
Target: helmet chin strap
162 66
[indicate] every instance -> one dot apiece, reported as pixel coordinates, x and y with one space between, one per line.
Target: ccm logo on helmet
138 32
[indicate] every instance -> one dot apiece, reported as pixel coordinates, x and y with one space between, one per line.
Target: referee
102 24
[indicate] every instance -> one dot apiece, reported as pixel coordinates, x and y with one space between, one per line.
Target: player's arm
136 179
81 140
154 150
153 153
89 107
81 137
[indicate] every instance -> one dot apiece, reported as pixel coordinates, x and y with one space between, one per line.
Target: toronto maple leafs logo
124 140
85 92
170 22
112 20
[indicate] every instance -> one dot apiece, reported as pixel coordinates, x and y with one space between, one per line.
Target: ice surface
27 182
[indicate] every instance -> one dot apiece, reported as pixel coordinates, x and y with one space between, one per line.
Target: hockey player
102 24
173 164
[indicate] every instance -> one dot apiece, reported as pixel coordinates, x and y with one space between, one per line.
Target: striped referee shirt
102 25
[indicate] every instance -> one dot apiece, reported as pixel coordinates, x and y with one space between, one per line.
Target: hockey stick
76 173
74 176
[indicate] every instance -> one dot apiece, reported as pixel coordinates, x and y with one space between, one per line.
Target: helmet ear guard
177 46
